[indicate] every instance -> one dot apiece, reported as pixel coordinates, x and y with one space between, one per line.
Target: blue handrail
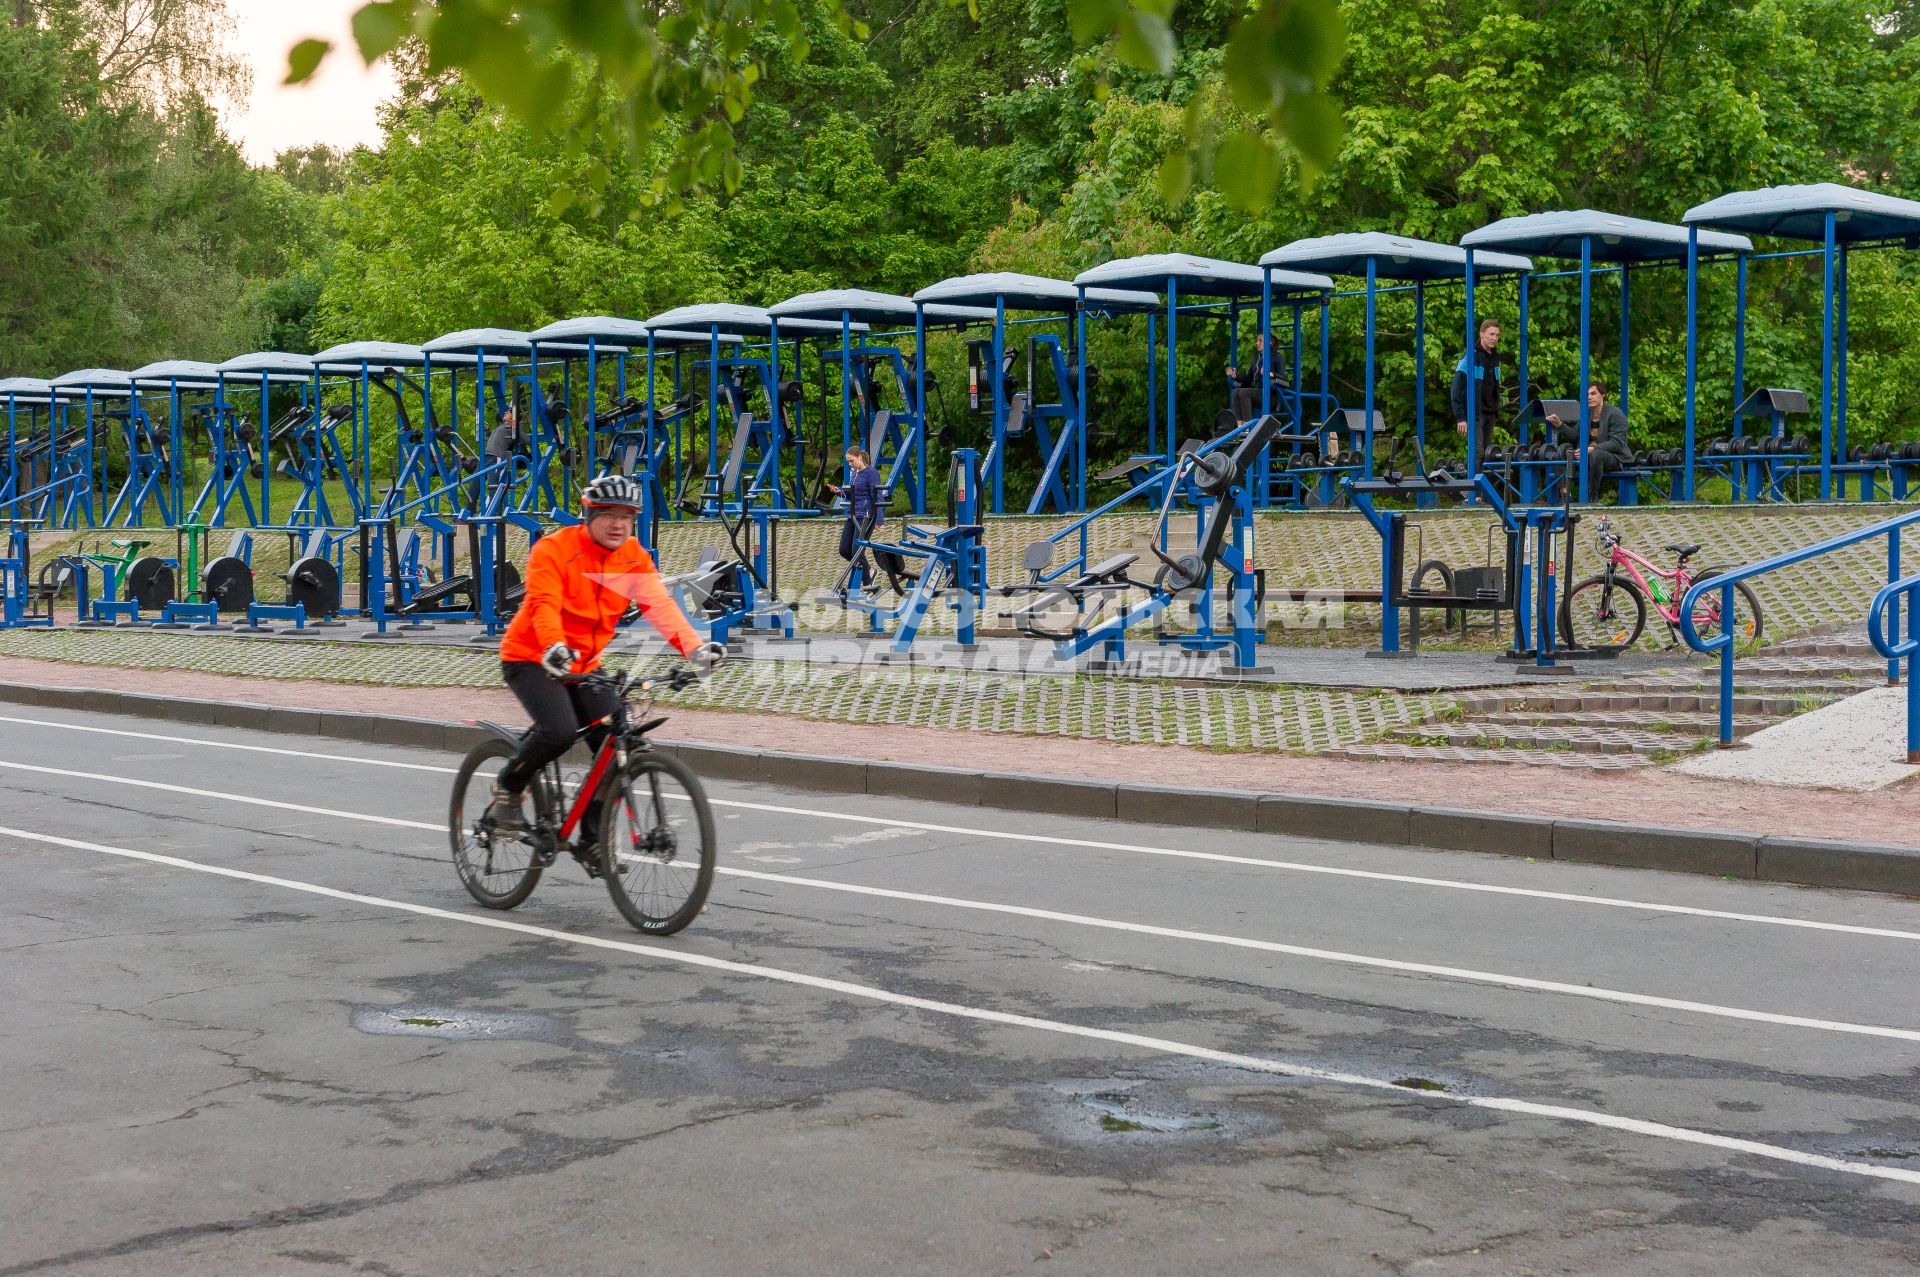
1724 583
1895 648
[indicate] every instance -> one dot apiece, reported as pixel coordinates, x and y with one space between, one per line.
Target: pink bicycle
1610 610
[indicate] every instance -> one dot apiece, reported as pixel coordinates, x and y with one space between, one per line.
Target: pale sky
335 107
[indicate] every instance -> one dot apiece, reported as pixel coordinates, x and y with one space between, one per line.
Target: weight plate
149 583
1183 573
314 584
227 583
1213 473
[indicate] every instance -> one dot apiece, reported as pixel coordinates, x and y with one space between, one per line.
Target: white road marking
1090 844
1140 928
1163 1046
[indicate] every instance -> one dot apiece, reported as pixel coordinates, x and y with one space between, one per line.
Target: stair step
1666 722
1666 703
1548 738
1396 751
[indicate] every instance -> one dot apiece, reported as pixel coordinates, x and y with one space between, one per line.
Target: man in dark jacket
1479 367
1607 446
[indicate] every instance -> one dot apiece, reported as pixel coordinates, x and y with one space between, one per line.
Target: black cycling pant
557 709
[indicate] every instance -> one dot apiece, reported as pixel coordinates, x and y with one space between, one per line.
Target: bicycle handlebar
623 683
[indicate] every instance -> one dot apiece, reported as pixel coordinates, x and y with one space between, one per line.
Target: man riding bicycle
580 581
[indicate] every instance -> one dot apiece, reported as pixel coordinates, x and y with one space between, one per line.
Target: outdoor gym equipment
951 566
227 585
1406 264
1216 477
726 591
1218 290
1062 451
305 436
895 439
73 453
1627 244
1842 221
20 605
761 451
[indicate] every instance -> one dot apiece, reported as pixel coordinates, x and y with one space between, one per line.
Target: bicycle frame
1619 556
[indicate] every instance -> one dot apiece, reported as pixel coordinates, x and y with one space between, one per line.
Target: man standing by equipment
1607 447
1479 369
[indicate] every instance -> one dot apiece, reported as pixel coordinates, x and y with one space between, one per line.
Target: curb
1805 861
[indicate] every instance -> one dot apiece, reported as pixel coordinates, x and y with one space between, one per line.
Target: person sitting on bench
1246 382
1607 447
862 492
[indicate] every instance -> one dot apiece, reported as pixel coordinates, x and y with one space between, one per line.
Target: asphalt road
907 1038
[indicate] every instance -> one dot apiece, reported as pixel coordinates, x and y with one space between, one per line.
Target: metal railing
1890 645
1723 641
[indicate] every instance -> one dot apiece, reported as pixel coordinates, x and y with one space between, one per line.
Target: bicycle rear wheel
498 870
1747 623
1603 614
657 843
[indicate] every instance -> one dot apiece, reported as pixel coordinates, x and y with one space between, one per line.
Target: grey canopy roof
1610 236
1800 212
105 381
1029 292
663 338
750 319
472 341
1393 256
26 389
372 355
176 372
274 363
601 330
863 306
1201 276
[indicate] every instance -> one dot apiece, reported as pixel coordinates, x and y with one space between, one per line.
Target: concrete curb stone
1339 819
1812 862
1840 864
1171 805
1597 842
954 785
1493 832
1058 795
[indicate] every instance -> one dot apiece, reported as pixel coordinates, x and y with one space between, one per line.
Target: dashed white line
1163 1046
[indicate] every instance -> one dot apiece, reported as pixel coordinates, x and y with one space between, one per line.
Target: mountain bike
656 844
1610 610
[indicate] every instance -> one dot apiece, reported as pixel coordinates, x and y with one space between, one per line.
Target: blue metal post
1826 361
1739 329
1153 391
1173 341
1522 364
999 400
1726 666
1473 371
1586 353
1366 460
1420 369
1893 610
920 399
1693 354
1266 344
1626 343
1838 452
1080 426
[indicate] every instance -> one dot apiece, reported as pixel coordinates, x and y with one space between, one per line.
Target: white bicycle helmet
611 491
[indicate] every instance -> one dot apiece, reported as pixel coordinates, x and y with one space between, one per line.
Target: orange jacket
577 593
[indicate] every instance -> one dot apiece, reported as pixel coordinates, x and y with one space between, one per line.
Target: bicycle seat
1685 551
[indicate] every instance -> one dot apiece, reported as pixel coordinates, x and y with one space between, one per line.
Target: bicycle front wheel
1746 624
499 870
1603 614
658 844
